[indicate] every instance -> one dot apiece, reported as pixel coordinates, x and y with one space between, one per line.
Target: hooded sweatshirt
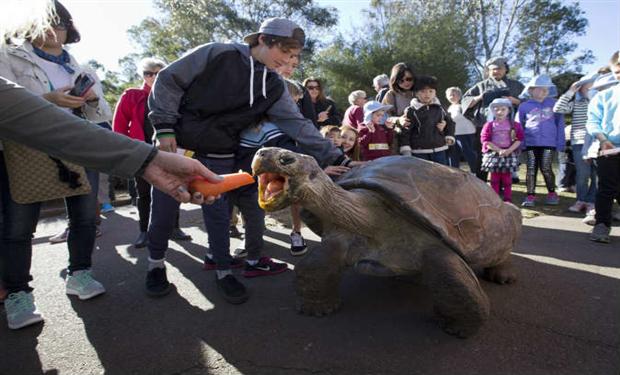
543 127
423 136
604 115
207 97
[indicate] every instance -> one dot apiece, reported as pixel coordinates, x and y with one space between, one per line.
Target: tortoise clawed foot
458 329
318 308
500 274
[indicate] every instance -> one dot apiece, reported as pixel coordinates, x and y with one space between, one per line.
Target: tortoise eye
286 159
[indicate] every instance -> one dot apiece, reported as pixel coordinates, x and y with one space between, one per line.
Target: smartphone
83 83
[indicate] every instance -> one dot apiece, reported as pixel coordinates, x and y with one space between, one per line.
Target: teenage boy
432 129
202 102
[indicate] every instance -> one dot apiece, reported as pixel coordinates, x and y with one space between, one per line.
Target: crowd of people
221 102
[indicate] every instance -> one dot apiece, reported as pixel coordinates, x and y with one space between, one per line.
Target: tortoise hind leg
502 273
318 276
460 304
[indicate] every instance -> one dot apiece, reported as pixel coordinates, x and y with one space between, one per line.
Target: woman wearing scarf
45 68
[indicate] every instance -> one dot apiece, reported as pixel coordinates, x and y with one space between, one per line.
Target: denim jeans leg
163 216
582 180
19 223
82 212
254 217
217 217
439 157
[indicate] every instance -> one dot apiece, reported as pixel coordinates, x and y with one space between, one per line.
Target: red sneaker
264 267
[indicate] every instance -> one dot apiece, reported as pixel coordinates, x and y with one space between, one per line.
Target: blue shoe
107 207
21 311
82 284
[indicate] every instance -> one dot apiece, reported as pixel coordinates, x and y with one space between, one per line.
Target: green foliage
548 30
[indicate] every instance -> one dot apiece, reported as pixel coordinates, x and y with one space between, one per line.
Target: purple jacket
542 126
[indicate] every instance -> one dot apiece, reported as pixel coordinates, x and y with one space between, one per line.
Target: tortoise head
283 177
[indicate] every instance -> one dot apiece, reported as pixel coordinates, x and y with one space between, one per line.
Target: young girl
544 135
375 136
331 132
349 142
500 140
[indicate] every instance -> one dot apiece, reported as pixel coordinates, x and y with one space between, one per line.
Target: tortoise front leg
318 277
459 302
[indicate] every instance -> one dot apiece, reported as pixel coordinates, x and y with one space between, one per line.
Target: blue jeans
19 225
464 145
216 218
585 180
438 157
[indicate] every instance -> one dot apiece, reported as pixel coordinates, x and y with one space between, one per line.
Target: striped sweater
568 104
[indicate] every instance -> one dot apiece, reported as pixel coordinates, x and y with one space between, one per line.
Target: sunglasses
313 87
149 74
407 79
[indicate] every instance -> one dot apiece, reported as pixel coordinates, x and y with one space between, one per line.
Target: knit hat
63 16
541 80
372 107
278 27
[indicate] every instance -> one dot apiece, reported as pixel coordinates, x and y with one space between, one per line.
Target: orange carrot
230 182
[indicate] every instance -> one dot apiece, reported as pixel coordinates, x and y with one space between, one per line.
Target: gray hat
278 27
496 61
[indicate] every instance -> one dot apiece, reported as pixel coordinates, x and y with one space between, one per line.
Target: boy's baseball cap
278 27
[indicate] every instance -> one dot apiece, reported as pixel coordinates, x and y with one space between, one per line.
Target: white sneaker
82 284
589 219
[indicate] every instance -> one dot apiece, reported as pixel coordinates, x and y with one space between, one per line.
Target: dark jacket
204 99
423 135
306 107
491 89
335 118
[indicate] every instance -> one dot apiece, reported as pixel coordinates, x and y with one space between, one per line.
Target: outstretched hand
171 173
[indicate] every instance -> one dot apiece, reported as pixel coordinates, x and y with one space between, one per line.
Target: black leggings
144 204
539 158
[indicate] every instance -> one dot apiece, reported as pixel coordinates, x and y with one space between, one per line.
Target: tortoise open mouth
272 191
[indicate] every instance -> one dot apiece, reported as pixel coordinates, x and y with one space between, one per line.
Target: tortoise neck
331 203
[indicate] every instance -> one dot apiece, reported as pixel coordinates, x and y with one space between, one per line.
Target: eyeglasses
313 87
407 79
149 74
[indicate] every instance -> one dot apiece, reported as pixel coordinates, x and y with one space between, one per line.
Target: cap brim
251 38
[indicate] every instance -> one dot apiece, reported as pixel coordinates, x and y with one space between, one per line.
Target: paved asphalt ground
562 317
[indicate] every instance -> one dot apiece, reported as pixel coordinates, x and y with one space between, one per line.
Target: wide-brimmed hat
278 27
541 80
501 102
372 107
63 15
588 78
604 81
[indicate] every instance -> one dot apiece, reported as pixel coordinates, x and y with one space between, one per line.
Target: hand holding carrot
230 182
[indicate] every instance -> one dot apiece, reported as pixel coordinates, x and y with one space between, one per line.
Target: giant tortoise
396 215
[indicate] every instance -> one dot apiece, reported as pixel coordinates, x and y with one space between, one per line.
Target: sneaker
231 289
107 207
240 251
530 201
553 199
141 241
210 264
157 284
178 235
600 233
264 267
82 284
589 219
234 232
578 207
60 237
21 311
298 244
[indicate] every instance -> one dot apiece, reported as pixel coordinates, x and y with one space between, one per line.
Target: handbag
35 176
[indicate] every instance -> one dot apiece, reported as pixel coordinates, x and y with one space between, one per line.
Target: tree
185 24
548 29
